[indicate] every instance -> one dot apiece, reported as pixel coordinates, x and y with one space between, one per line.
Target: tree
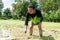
48 5
52 16
7 13
18 0
20 8
57 15
1 6
17 9
50 9
34 2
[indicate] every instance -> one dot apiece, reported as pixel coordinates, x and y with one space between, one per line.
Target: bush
52 17
20 9
45 16
57 15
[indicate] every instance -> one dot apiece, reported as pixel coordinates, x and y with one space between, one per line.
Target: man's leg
40 28
31 28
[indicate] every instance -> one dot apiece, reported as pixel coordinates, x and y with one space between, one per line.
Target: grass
18 22
47 27
11 23
51 25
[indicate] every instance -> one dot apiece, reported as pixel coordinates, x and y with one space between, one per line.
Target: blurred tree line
50 10
1 6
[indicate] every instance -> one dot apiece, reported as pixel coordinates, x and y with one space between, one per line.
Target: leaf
36 20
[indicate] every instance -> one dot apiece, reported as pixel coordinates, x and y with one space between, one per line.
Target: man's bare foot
40 35
30 34
25 31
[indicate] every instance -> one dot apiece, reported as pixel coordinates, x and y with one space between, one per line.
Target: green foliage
51 10
7 14
17 9
45 16
20 9
52 17
34 3
57 15
36 20
24 8
47 5
0 14
1 6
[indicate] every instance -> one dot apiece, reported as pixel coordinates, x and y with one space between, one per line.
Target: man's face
31 10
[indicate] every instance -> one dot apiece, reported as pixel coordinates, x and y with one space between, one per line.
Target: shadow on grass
48 38
43 38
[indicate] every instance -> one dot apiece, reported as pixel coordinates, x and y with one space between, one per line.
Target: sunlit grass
20 24
51 25
13 23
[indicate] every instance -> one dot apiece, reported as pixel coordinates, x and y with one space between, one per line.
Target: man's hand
26 29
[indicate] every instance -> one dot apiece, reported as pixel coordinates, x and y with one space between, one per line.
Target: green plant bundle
36 20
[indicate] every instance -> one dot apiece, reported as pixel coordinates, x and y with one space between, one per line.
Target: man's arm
27 19
40 15
26 22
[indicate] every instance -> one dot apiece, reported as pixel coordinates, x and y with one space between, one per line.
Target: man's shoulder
38 10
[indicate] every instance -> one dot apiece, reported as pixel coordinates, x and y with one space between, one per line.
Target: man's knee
39 25
31 27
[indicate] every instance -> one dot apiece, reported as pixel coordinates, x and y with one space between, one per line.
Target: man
36 17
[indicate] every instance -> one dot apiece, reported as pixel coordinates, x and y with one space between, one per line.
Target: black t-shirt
38 14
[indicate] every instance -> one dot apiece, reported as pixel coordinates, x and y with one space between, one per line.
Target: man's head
31 9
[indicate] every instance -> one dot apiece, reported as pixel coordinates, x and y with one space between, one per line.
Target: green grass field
51 30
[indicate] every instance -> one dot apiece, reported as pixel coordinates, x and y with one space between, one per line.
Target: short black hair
31 6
